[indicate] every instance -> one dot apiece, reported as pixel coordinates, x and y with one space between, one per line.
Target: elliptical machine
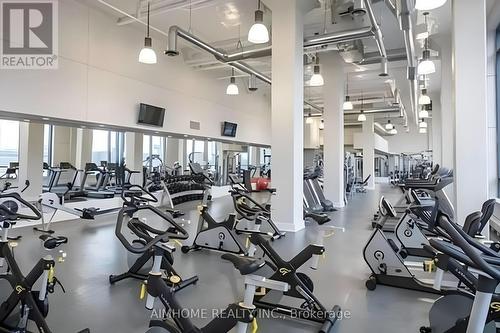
136 199
24 304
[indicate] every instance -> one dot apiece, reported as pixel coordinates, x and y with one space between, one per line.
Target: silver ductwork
337 37
376 110
406 25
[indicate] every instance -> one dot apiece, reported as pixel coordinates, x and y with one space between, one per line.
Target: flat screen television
151 115
229 129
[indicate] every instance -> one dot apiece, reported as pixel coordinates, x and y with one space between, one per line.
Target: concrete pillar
369 151
253 156
492 108
333 148
287 111
31 159
83 153
172 153
62 145
447 113
133 153
436 130
205 151
469 104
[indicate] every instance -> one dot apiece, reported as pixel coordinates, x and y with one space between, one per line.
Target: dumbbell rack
185 188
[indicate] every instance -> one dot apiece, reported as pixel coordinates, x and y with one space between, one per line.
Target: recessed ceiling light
26 120
169 136
157 132
185 135
209 139
101 125
45 118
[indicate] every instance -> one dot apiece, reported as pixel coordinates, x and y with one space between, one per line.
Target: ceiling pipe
379 38
406 26
338 37
375 111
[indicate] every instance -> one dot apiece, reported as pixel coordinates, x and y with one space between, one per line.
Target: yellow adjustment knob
255 326
142 294
175 279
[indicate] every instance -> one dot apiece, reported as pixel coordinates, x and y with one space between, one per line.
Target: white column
469 104
287 112
447 113
436 130
492 109
133 152
83 148
333 148
369 152
252 155
172 154
31 159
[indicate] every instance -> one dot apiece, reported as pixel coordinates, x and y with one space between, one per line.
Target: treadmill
96 191
62 181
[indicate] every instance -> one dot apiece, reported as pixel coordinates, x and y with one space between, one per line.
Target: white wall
100 80
411 142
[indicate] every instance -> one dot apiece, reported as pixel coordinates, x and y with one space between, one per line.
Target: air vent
195 125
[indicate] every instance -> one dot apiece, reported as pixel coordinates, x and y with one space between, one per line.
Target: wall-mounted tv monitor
151 115
229 129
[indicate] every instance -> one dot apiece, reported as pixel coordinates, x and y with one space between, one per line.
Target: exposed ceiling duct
406 24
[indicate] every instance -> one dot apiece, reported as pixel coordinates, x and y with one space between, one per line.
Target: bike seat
51 242
244 265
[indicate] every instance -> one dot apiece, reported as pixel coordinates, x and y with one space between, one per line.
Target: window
107 146
100 146
153 145
212 154
9 143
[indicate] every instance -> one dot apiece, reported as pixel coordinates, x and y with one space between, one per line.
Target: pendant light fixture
258 33
389 126
309 119
317 78
393 131
429 4
422 124
426 66
423 113
361 116
147 54
232 88
422 130
322 124
424 99
347 104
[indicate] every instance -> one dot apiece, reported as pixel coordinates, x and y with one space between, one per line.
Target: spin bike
24 304
137 199
156 286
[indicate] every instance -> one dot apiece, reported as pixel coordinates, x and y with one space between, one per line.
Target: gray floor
94 252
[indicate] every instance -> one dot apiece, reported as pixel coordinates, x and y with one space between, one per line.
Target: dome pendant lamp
258 33
232 88
147 54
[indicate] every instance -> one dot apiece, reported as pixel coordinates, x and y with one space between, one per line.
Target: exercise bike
137 199
24 304
301 287
156 287
474 310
